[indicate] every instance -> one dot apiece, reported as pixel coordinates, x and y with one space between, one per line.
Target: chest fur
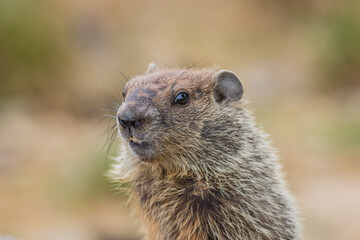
187 209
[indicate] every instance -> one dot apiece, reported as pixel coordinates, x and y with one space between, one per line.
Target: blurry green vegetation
340 61
87 182
32 54
36 52
345 134
336 38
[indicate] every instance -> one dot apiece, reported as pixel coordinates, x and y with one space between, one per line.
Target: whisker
101 121
196 63
111 138
109 96
117 92
110 116
99 136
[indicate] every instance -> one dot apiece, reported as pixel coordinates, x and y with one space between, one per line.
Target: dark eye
124 93
182 98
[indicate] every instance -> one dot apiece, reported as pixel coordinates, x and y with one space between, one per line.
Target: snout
137 118
128 122
132 121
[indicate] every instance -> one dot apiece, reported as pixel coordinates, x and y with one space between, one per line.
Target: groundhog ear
227 87
152 68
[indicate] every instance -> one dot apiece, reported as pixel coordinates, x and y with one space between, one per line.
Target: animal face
165 109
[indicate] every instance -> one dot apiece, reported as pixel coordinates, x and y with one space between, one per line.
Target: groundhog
198 166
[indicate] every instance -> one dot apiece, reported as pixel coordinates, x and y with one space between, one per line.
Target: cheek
194 125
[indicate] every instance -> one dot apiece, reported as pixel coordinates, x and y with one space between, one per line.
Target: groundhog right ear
152 68
228 87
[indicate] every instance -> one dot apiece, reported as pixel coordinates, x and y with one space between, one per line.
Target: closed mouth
134 143
142 149
137 144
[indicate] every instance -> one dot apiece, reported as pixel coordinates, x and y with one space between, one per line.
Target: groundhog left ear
227 87
152 68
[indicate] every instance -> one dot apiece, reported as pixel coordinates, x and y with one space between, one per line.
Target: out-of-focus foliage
340 59
32 51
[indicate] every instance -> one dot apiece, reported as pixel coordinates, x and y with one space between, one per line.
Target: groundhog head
169 114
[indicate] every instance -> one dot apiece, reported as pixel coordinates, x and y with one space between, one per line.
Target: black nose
128 122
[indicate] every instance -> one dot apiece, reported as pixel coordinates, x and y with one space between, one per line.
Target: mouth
142 149
138 144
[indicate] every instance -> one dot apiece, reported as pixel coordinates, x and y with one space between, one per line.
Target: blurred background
59 63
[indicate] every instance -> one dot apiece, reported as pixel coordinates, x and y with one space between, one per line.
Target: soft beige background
299 62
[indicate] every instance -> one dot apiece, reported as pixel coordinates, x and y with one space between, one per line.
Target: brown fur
209 173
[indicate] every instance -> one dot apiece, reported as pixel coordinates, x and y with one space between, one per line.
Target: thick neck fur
223 183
